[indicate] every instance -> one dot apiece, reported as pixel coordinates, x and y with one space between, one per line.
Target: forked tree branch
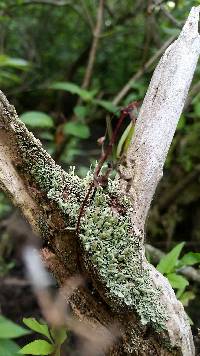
124 289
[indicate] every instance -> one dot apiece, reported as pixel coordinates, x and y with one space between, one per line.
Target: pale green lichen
116 253
106 233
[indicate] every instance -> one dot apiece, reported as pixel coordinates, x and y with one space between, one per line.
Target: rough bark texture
123 289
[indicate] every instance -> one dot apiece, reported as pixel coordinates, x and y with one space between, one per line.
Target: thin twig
93 51
170 17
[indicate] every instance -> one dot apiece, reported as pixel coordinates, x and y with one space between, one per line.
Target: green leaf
176 281
8 329
37 119
123 139
108 105
6 61
74 89
34 325
38 347
80 111
8 348
186 297
189 259
168 262
76 129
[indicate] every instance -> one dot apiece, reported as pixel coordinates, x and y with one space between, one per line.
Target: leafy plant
9 331
170 266
55 337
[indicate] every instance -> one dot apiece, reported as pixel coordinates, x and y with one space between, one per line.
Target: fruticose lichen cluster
105 233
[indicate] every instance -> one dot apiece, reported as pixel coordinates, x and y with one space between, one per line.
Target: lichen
105 232
116 253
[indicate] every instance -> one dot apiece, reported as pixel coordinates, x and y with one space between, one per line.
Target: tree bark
123 289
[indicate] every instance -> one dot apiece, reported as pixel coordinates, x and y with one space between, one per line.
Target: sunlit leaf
35 325
168 262
37 119
38 347
190 259
6 61
177 281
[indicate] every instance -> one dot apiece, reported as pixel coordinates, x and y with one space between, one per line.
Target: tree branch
159 116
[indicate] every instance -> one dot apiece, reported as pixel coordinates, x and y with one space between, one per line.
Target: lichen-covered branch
107 252
124 289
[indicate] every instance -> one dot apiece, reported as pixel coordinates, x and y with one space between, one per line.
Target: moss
105 231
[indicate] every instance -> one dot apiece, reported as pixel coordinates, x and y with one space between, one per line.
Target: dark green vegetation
44 51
